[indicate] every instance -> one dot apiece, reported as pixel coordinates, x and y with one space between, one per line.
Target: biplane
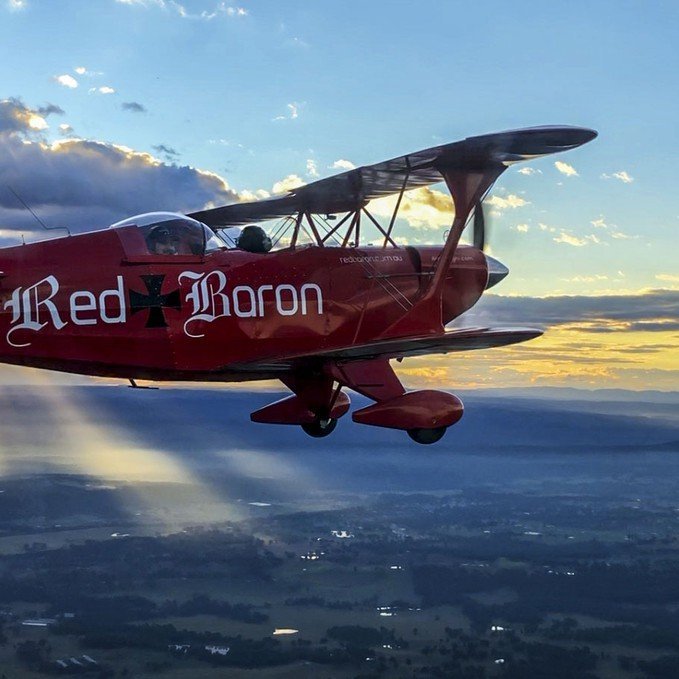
165 297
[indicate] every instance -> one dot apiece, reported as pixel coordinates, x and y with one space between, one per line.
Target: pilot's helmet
163 234
254 239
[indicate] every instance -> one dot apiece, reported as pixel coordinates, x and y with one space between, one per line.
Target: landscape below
147 533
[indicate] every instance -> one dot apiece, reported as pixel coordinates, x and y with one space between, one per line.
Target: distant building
218 650
72 664
178 648
344 534
38 622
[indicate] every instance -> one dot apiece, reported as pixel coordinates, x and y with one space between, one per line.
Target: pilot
254 239
163 241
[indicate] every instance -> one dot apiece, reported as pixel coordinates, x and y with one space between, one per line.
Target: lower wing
463 339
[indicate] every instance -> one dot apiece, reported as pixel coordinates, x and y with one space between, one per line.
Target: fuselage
101 304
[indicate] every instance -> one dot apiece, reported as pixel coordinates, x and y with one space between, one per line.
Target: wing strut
387 236
466 188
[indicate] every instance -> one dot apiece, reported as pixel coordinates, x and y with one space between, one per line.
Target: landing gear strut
427 436
320 427
315 405
424 414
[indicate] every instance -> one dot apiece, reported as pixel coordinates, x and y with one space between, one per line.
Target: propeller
496 269
479 227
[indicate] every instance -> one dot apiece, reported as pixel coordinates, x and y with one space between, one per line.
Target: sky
110 108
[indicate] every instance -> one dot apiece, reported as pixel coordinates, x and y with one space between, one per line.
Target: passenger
163 241
254 239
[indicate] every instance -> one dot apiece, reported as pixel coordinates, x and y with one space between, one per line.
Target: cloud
511 201
423 208
144 3
668 277
220 9
653 311
342 164
567 239
566 169
622 176
81 70
293 112
586 279
50 109
297 42
611 230
65 128
235 11
16 117
101 90
167 151
37 122
88 184
133 107
522 228
66 80
311 167
528 171
16 5
247 196
620 235
292 181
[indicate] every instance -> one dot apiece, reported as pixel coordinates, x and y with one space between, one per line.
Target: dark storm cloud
50 109
167 151
133 107
88 184
14 116
656 310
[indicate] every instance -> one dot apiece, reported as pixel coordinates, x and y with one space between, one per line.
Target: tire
320 427
427 436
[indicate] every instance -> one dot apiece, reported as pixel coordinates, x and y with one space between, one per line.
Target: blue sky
255 92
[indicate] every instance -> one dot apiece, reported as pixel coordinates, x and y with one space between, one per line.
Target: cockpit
169 233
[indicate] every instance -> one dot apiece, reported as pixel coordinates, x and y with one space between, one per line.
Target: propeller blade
479 236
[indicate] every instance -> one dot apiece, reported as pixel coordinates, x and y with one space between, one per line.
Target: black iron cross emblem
154 301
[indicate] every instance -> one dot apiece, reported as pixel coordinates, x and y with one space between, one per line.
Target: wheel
427 436
320 427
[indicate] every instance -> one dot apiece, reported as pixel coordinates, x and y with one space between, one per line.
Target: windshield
169 233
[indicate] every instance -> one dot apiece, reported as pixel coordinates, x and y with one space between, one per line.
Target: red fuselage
99 304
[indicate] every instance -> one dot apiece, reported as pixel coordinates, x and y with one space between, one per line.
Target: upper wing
351 190
463 339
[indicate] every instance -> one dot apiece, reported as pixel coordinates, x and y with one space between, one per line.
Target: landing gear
427 436
320 427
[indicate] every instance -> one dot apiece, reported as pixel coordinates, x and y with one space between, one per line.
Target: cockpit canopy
170 233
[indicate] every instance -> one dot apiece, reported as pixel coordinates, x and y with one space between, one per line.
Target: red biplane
161 296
